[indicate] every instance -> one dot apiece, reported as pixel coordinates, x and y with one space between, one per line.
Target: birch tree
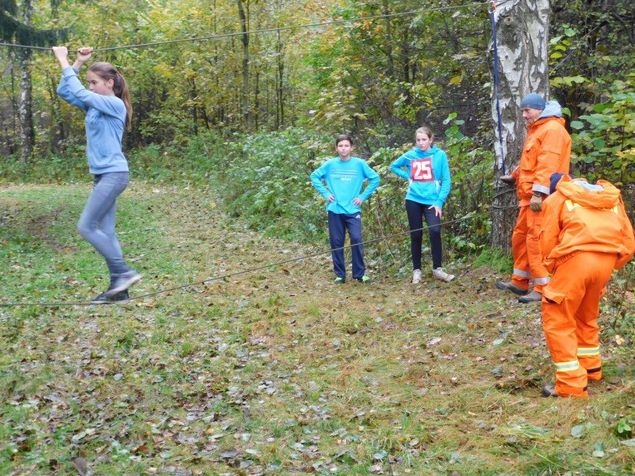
16 27
522 30
25 103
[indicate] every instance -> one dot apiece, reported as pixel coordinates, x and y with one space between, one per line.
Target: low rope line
504 191
260 31
228 275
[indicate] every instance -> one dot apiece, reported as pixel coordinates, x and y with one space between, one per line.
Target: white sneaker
442 275
416 276
123 282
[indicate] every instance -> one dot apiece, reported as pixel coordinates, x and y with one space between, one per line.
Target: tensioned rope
227 275
260 31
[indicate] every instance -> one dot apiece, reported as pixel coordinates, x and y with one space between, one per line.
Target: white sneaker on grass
416 276
441 275
123 282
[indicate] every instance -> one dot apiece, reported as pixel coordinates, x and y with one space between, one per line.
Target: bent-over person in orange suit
586 234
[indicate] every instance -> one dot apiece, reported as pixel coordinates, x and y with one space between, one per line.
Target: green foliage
373 71
559 45
591 73
377 74
467 225
15 31
589 43
624 428
622 327
495 259
52 168
604 138
264 180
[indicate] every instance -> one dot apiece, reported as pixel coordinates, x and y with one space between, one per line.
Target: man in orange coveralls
546 150
586 234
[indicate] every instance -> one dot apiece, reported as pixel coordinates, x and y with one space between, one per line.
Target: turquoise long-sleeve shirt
428 174
344 180
105 122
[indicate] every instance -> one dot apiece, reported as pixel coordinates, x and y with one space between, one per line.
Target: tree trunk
522 30
195 107
25 103
279 82
390 64
244 91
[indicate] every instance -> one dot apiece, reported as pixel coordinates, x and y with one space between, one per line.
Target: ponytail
120 87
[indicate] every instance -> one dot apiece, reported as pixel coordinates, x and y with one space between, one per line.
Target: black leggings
416 213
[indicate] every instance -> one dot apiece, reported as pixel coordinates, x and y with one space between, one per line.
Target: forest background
238 101
216 85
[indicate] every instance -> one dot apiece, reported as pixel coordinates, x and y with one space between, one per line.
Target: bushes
604 141
264 180
54 168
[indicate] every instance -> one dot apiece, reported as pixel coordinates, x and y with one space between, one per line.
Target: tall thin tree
243 14
522 33
24 36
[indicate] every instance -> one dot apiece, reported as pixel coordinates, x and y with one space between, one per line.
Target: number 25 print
421 170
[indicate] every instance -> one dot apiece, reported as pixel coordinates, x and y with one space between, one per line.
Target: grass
228 362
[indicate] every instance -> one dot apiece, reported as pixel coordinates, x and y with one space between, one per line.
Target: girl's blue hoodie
428 173
105 121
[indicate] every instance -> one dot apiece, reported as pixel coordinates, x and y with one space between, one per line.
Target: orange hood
601 195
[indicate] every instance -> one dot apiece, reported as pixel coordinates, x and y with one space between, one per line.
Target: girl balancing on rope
108 110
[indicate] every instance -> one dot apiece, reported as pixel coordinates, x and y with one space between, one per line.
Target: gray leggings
97 222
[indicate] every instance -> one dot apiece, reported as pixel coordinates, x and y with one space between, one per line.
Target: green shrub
53 168
264 180
604 140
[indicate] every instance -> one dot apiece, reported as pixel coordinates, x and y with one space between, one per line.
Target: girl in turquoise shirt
429 182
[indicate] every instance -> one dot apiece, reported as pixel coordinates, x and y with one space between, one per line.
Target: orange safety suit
586 234
547 150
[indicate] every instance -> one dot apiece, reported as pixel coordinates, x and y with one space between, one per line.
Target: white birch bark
25 101
25 108
522 30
